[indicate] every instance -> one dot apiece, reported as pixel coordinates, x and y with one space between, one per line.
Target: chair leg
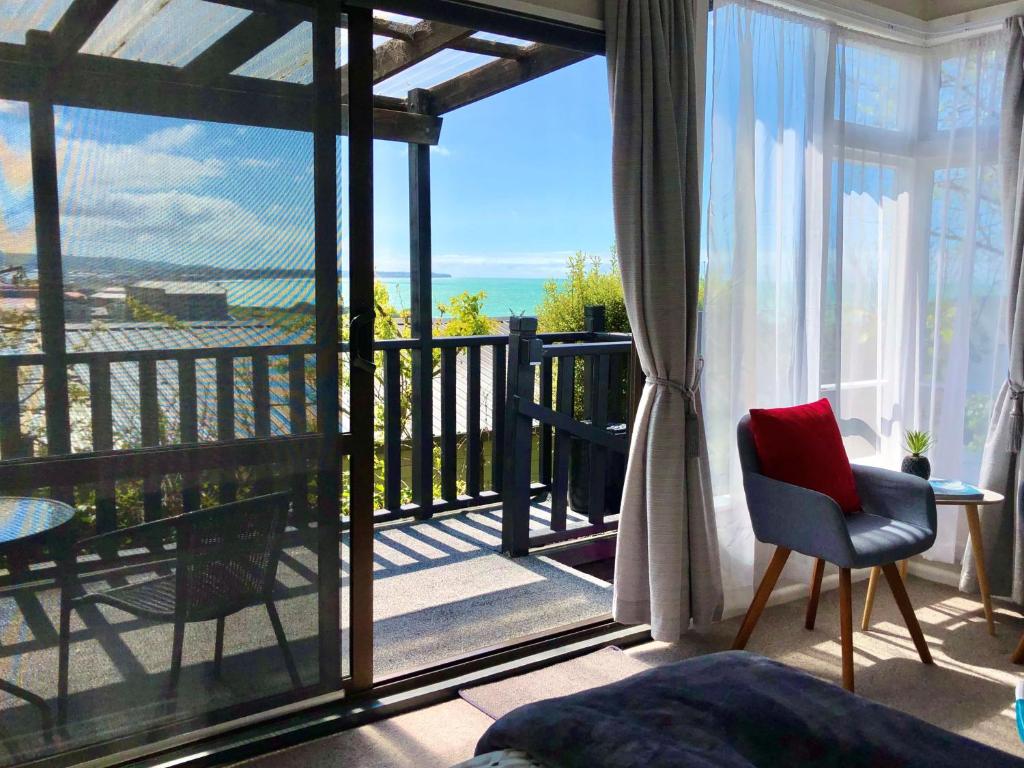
63 654
1018 655
892 575
869 598
176 651
282 641
812 602
846 626
764 591
218 649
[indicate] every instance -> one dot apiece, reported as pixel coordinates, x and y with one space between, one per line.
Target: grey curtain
1002 469
666 568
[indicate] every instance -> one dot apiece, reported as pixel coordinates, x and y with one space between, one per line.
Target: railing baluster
616 412
13 444
226 421
560 479
544 459
149 423
297 422
498 384
473 454
449 445
261 416
393 430
189 428
598 386
101 412
261 396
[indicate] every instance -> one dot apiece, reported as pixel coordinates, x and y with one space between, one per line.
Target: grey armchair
897 521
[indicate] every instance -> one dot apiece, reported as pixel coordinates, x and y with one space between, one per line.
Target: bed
723 710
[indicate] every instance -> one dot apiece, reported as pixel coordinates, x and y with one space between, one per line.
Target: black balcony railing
209 424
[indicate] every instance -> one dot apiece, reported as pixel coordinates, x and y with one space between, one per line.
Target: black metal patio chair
226 560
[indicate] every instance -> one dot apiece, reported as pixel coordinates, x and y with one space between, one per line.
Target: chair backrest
228 556
745 442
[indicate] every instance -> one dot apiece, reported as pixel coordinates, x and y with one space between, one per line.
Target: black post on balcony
421 318
46 199
515 519
326 125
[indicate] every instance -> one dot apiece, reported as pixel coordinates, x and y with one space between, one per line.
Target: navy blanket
729 709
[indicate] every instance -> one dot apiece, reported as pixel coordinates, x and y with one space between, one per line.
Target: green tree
587 283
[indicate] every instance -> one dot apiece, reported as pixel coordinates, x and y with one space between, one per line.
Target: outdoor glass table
25 521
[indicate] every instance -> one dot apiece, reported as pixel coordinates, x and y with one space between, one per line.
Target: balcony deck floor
441 589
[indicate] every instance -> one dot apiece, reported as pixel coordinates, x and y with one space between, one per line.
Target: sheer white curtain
845 253
764 207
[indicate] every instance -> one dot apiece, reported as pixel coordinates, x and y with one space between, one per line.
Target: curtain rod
869 18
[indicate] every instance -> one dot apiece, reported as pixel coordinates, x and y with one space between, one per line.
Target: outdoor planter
579 474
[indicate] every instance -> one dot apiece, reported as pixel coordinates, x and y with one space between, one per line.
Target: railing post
515 519
421 320
593 322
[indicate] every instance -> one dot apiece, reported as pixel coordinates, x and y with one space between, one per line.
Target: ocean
505 295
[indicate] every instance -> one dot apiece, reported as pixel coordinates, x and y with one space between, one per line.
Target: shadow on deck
441 589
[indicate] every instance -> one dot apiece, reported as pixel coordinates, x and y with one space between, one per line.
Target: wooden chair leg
218 648
1018 655
892 575
812 602
846 626
869 598
282 641
764 591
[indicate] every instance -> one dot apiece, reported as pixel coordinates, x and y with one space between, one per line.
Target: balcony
443 584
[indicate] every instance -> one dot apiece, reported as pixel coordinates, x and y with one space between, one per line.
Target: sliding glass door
186 373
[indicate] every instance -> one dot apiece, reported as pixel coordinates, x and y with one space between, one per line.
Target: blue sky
519 181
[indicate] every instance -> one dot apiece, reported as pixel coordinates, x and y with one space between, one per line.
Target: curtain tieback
689 392
1016 415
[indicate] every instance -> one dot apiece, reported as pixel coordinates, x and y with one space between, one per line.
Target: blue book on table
955 489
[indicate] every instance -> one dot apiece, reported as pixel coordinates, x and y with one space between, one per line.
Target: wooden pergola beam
429 37
133 87
76 26
255 33
397 55
490 48
537 61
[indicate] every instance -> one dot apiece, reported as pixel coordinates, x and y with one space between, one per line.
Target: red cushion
802 446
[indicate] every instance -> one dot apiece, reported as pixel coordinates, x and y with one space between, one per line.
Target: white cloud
259 163
19 108
175 137
94 166
440 151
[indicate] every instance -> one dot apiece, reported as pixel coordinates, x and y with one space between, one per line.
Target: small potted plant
917 442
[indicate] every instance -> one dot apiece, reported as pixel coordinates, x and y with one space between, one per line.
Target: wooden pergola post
46 199
421 318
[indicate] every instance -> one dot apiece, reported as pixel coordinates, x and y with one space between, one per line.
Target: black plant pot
917 465
579 474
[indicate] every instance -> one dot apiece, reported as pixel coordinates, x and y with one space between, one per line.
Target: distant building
110 303
182 300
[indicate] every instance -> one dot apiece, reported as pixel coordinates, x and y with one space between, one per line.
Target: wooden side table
974 525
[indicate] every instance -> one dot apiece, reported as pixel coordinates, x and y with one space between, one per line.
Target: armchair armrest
896 495
797 518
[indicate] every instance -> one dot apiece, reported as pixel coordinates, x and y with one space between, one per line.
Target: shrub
587 283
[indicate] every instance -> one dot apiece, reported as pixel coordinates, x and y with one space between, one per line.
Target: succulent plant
918 441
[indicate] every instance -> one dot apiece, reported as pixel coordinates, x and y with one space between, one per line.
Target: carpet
608 665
